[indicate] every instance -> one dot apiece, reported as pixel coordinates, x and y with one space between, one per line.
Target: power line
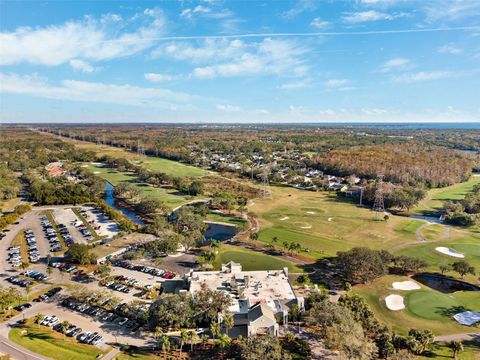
379 204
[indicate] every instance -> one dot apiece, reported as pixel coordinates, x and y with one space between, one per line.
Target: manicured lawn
46 342
435 198
213 216
425 308
170 197
252 260
150 162
442 351
325 225
433 232
463 241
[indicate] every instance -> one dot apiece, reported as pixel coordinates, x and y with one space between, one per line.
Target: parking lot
70 220
100 222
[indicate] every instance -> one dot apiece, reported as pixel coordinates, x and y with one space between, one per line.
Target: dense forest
9 184
413 164
464 212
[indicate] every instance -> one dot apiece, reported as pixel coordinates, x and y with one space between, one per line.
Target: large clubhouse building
259 298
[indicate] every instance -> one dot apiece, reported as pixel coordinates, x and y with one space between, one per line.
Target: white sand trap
284 218
96 172
306 227
97 163
395 302
449 252
329 219
311 212
85 166
467 317
406 285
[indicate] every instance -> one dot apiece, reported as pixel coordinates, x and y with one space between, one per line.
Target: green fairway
433 232
166 166
324 224
436 197
252 260
47 342
170 197
425 308
462 241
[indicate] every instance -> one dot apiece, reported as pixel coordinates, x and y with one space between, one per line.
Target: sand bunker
406 285
306 227
96 172
311 212
97 164
449 252
467 317
329 219
394 302
284 218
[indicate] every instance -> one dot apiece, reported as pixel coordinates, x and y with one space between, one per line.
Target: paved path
111 354
464 336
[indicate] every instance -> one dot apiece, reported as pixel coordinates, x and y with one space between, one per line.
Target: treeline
410 164
62 191
465 212
402 197
9 184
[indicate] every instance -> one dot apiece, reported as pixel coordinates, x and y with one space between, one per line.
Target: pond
113 202
220 232
432 219
444 284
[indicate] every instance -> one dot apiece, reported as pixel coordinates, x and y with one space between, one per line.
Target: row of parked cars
48 295
51 235
65 234
35 275
33 254
20 281
14 256
118 287
145 269
101 314
71 269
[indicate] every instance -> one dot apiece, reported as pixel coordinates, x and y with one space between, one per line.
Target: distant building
259 298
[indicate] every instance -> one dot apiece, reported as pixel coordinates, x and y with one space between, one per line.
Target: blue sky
240 61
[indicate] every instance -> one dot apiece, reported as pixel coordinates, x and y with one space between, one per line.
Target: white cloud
95 92
332 83
81 65
422 76
450 49
155 77
300 7
396 64
295 85
199 9
228 108
88 40
451 10
370 15
318 23
229 58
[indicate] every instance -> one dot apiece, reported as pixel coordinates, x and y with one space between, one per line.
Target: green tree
361 265
424 338
215 329
103 271
228 322
64 326
463 268
456 347
80 254
183 340
262 347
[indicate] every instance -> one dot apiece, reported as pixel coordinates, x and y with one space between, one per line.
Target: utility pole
361 196
379 205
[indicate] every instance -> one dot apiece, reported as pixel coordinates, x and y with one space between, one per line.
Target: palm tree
192 336
215 329
228 322
64 326
456 347
163 341
223 341
183 339
39 317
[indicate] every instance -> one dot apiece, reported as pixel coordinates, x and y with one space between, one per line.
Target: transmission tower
265 192
140 149
379 205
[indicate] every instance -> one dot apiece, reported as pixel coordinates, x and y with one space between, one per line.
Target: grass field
150 162
170 197
19 240
47 342
252 260
325 225
435 197
463 241
213 216
442 351
425 308
7 205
